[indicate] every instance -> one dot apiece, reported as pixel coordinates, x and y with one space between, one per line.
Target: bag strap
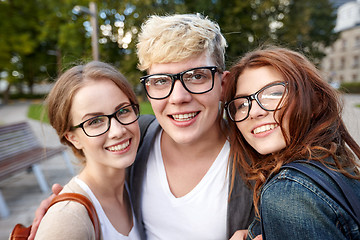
346 199
87 204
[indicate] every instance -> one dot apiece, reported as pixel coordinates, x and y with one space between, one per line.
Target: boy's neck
211 142
187 164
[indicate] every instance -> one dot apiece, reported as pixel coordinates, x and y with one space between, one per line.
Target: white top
107 229
200 214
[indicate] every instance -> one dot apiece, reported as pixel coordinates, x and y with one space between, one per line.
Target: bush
350 87
15 96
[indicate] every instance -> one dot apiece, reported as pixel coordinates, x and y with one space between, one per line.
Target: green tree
37 39
121 22
41 38
308 26
304 25
64 32
18 40
247 24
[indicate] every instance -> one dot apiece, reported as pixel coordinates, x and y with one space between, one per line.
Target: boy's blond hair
174 38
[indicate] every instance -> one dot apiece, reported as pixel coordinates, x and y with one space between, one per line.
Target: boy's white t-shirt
200 214
107 229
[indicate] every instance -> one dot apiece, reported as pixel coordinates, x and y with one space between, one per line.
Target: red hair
316 130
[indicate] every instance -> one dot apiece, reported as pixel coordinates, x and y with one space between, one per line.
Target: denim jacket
294 207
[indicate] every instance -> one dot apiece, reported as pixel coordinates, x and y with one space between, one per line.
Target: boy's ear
73 138
224 77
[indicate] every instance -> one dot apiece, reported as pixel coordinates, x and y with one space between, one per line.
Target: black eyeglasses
195 80
269 98
99 125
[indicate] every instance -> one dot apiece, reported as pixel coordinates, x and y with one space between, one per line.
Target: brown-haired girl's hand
41 210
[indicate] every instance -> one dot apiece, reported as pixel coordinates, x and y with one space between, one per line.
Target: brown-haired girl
94 111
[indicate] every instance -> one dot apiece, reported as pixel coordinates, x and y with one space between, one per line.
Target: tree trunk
6 95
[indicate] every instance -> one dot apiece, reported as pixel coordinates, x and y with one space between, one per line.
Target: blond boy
181 179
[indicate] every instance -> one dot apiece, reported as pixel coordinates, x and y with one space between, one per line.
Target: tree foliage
34 34
308 26
40 38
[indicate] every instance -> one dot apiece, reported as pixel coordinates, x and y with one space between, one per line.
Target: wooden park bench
20 150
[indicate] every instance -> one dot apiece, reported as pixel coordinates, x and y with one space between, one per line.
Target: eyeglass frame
179 76
252 97
110 116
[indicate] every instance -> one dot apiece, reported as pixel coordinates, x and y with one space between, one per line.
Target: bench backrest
16 138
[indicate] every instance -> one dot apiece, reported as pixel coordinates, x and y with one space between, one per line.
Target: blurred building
342 61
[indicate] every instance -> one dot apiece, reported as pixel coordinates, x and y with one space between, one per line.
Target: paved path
22 192
351 115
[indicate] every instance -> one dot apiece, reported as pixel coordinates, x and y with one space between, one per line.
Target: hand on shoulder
41 210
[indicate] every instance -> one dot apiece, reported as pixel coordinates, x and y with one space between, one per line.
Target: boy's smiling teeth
119 147
264 128
184 117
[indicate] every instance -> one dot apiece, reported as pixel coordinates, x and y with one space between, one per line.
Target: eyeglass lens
100 124
197 80
268 98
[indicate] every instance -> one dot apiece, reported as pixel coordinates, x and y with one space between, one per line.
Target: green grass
357 105
37 111
145 108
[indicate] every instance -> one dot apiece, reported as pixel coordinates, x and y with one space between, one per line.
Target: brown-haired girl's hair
313 108
60 98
